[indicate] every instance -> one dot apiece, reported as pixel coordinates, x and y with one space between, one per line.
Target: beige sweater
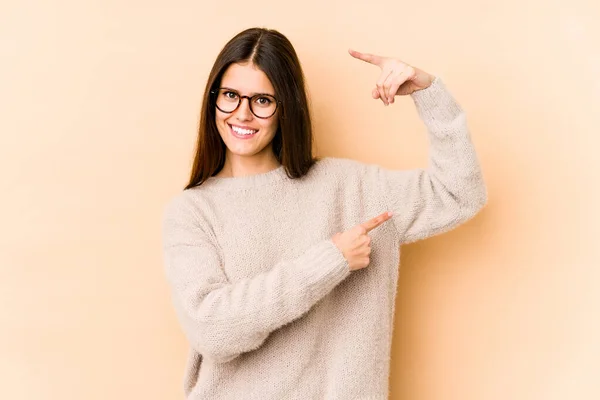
267 302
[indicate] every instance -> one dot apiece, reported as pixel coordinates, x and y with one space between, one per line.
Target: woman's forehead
247 79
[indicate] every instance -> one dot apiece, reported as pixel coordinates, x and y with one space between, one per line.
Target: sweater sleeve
222 320
451 190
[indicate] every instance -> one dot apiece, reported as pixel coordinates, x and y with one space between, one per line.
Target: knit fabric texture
266 300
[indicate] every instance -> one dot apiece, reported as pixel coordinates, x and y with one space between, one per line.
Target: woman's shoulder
177 204
189 203
340 166
339 163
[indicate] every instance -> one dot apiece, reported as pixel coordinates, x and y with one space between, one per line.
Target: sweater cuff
435 104
325 270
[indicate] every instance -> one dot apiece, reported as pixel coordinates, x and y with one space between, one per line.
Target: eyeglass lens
261 105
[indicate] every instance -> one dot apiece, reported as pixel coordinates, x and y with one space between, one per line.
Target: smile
243 133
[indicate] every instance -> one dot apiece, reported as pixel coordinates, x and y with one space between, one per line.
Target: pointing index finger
375 222
370 58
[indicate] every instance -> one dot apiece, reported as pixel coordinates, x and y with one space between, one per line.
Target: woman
283 267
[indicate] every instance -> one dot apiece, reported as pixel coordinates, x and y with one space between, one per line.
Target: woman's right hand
355 243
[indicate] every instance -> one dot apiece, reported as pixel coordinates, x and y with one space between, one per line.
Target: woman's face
244 134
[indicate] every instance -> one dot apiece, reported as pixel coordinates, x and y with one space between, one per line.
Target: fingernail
390 213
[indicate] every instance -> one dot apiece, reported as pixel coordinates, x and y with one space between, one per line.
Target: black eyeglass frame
215 92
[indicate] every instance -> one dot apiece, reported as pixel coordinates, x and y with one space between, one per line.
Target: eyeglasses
261 105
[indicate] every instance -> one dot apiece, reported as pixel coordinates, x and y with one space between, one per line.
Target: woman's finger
399 80
370 58
381 85
394 89
375 93
373 223
392 77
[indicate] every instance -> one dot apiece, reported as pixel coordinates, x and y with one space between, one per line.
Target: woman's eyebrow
251 94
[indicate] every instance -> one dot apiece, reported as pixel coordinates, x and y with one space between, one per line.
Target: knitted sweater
265 299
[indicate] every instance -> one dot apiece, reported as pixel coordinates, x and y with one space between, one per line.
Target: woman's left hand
397 78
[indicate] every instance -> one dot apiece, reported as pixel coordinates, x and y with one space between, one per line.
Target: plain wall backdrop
99 105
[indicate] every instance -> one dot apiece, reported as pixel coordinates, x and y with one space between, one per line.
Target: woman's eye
230 95
263 101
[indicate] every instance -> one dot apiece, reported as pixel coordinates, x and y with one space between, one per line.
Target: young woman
283 266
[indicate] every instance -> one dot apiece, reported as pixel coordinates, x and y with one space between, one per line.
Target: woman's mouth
242 133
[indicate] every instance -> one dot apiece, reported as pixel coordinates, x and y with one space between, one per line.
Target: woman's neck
245 166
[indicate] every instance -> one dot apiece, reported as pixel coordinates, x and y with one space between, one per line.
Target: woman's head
261 64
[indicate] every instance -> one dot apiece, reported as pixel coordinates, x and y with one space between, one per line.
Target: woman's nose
243 112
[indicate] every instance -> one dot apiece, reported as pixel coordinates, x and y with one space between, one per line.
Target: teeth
241 131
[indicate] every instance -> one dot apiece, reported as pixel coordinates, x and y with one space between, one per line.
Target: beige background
99 103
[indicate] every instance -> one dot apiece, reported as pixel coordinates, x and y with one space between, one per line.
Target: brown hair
272 53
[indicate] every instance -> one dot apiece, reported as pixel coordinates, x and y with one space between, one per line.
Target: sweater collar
247 181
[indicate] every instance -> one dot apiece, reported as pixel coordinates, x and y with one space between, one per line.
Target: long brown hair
271 52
